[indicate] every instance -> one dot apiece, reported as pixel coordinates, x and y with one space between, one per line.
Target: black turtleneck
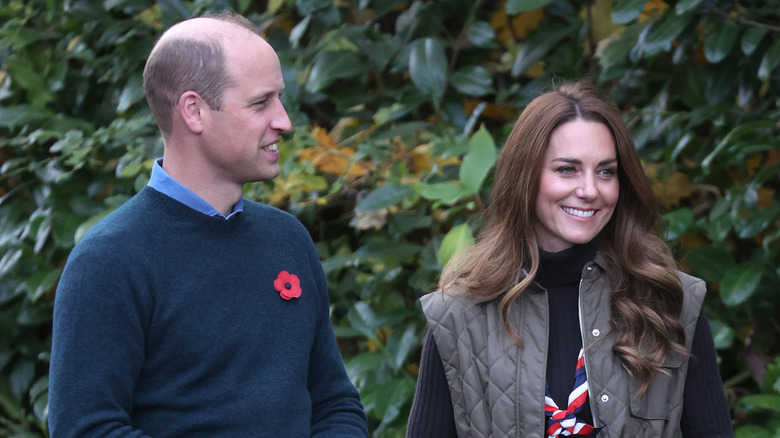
705 412
560 274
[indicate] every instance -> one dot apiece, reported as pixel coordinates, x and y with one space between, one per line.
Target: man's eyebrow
262 96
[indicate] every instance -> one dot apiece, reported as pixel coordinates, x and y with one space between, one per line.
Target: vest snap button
604 398
596 332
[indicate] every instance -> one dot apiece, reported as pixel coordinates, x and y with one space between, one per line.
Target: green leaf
772 376
740 282
384 197
173 11
667 30
722 335
514 7
458 238
39 395
719 227
764 401
679 222
752 431
756 223
710 262
734 135
479 160
720 42
473 80
386 399
428 67
400 344
19 115
131 94
362 363
21 378
10 403
447 192
537 46
28 76
297 32
363 319
9 261
306 7
390 251
720 82
481 34
770 61
751 39
332 65
627 10
686 5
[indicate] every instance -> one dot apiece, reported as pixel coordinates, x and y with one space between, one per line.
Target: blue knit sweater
167 324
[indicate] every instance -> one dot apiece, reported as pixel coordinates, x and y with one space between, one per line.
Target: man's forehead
203 28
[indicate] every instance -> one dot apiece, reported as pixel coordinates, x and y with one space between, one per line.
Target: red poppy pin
288 285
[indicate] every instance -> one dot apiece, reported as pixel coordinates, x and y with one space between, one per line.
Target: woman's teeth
579 213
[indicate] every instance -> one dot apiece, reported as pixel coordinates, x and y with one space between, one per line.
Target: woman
568 316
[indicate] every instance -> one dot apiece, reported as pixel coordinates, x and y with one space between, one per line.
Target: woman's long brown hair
646 295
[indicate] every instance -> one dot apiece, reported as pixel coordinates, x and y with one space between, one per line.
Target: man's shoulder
269 216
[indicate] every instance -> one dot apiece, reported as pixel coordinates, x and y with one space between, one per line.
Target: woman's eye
607 172
566 170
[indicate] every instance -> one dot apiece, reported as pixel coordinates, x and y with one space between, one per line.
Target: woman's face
578 187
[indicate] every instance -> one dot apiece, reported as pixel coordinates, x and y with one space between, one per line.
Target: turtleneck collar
556 268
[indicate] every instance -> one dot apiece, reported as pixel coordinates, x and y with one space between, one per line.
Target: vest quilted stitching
490 377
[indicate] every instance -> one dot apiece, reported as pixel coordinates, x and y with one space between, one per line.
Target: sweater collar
556 268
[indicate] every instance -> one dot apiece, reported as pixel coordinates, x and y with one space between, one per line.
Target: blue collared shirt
165 184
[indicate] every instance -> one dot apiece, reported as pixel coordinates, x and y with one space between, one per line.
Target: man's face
240 140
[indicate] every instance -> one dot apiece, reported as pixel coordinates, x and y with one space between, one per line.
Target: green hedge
400 108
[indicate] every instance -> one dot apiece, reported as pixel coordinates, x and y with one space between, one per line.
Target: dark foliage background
400 108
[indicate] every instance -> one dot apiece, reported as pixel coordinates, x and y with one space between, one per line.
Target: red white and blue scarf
564 422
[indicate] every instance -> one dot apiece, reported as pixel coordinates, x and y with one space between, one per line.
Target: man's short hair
183 64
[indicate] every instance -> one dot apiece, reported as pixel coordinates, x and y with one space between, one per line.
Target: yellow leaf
653 8
500 111
753 164
536 70
151 16
515 28
421 158
329 158
766 197
274 5
325 140
670 191
374 219
601 20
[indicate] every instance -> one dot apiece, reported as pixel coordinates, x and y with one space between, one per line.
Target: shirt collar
165 184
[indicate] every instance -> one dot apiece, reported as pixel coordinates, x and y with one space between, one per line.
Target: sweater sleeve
431 414
97 346
336 407
705 411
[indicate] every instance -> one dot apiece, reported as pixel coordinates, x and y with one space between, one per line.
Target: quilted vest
498 388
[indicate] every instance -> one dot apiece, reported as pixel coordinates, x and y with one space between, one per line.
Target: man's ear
191 107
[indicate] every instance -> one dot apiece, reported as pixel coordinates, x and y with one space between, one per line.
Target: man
189 311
